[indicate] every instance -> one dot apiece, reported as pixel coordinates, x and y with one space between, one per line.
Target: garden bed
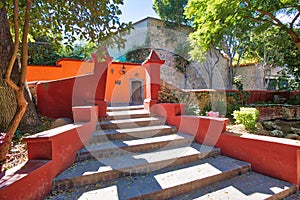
278 128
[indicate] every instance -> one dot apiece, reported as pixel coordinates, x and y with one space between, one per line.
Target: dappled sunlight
173 178
110 193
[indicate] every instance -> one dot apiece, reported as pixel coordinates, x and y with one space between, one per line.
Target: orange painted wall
64 68
120 93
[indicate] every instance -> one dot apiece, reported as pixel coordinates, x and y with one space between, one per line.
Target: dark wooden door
136 92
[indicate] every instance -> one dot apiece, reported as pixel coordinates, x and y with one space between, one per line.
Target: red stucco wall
276 157
49 153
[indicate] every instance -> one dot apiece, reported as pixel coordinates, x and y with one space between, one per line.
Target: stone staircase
135 156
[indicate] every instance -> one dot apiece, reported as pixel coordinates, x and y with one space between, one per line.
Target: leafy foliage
232 25
241 96
68 21
181 57
42 52
190 101
295 100
171 11
167 95
80 51
247 116
215 27
137 55
261 14
274 48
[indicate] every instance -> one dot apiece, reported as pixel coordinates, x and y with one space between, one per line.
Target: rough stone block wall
271 112
172 41
253 77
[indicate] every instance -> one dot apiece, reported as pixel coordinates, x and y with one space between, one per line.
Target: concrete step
248 186
120 147
162 184
130 123
93 171
128 114
124 108
132 133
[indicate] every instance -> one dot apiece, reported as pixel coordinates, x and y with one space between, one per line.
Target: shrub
190 101
247 116
206 109
167 95
295 100
230 109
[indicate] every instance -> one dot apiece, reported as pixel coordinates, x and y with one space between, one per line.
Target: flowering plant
213 114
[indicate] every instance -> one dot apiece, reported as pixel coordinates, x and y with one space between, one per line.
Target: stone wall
273 111
174 40
167 41
253 77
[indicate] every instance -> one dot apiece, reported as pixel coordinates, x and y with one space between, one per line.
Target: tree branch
25 45
294 20
278 23
16 48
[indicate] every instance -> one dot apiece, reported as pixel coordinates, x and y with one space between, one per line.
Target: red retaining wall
56 98
205 129
276 157
49 153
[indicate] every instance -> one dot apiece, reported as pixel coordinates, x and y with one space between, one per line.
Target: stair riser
128 136
128 125
114 174
118 110
115 109
188 187
118 117
86 180
135 149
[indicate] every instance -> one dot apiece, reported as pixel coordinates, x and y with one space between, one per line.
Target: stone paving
140 163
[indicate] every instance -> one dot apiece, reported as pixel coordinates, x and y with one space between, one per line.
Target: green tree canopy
214 29
231 25
214 16
69 21
171 11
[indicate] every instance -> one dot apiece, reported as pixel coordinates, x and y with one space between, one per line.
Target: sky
135 10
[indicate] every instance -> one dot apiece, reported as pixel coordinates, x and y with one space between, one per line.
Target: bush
247 116
230 109
295 100
190 101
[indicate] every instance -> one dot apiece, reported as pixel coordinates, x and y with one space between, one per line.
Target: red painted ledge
49 153
275 157
206 130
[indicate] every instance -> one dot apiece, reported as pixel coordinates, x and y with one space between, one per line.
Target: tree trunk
298 46
8 105
295 38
